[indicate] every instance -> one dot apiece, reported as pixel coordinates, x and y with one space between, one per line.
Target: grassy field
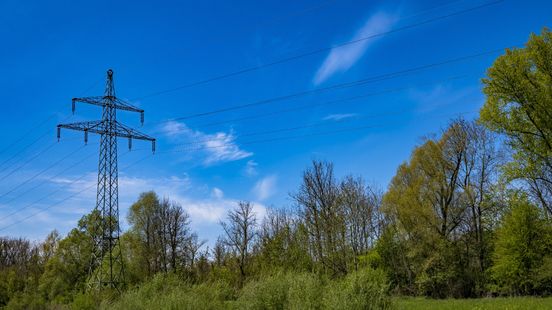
474 304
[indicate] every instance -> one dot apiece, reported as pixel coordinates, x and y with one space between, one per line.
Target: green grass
514 303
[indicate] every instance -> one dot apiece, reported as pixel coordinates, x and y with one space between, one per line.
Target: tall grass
365 289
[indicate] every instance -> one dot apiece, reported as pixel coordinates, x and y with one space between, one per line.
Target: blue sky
53 51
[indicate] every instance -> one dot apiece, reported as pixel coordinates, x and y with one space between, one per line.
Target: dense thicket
468 215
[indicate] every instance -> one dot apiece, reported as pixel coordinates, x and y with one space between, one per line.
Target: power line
320 50
23 149
26 147
52 177
331 102
27 161
59 202
351 129
16 141
372 79
296 128
42 123
57 191
41 172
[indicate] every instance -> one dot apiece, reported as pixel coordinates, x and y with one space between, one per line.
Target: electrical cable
317 51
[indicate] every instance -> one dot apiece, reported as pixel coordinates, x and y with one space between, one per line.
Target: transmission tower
106 267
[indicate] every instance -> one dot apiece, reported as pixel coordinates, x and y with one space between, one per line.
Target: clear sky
52 51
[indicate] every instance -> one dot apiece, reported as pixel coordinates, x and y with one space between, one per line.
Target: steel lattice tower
106 267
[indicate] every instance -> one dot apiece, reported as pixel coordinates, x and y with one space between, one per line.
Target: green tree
160 239
523 243
440 212
281 243
519 105
67 269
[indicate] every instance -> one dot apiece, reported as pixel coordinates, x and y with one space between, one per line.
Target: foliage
519 105
282 291
522 246
517 303
363 289
440 208
168 291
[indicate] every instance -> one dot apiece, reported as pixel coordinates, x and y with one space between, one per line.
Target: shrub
364 289
169 292
282 291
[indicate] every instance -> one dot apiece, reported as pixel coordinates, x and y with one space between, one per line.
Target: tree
318 198
522 246
442 205
240 232
519 105
145 219
282 243
361 208
67 270
161 234
177 233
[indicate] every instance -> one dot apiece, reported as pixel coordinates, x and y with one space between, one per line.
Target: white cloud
339 117
206 205
251 168
265 187
342 58
217 193
217 147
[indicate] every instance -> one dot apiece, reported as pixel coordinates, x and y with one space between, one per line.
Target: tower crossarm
130 133
109 101
127 132
101 128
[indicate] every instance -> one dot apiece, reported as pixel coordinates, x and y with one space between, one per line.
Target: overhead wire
331 102
317 51
359 82
55 192
285 138
45 121
18 168
27 133
85 159
41 172
59 202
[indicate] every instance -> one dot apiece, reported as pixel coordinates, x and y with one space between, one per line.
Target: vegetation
467 216
505 303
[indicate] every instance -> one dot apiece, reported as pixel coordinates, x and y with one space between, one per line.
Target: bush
282 291
167 291
364 289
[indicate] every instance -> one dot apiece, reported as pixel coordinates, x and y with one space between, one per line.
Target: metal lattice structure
106 267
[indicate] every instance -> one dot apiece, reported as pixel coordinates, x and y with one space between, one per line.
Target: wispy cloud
441 96
218 147
265 188
217 193
342 58
339 117
251 168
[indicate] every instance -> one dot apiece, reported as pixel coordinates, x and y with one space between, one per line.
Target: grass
513 303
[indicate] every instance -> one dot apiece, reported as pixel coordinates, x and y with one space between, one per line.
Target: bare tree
318 199
361 205
240 230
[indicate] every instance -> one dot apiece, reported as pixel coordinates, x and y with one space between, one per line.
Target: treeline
468 215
